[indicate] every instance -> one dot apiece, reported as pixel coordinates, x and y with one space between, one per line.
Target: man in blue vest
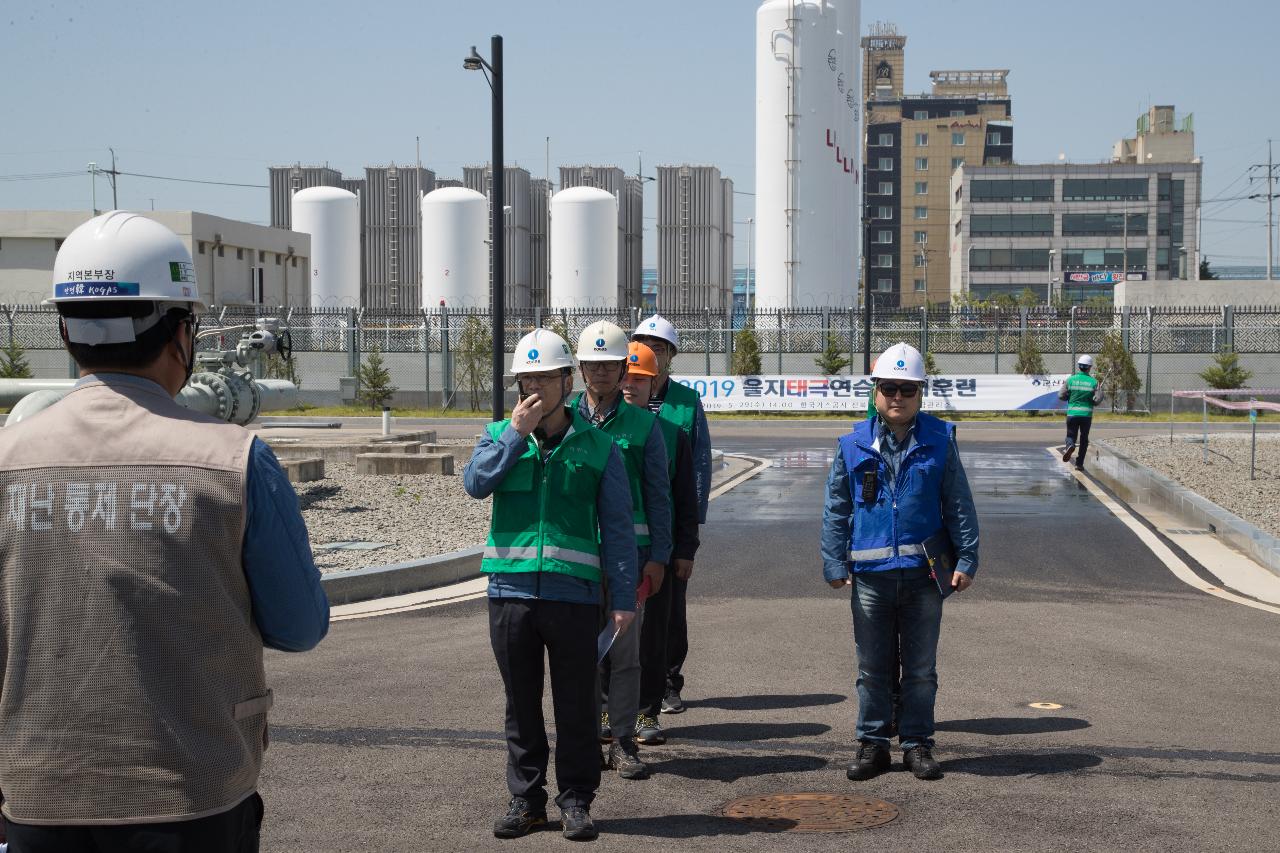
896 496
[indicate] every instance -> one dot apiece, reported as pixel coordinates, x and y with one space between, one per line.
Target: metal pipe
386 420
26 397
1253 441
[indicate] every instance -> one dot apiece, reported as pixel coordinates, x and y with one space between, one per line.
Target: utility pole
115 203
93 188
1270 194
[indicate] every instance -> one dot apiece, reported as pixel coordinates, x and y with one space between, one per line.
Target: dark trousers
234 831
677 634
655 644
520 630
1079 424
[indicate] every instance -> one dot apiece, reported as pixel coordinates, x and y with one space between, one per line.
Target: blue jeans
897 606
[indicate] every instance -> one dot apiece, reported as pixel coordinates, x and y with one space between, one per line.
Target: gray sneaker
649 731
624 756
672 703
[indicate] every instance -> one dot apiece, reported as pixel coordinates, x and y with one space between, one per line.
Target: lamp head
473 62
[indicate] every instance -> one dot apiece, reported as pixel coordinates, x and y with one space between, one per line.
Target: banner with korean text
797 393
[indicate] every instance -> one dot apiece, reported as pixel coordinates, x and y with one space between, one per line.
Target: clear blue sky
221 91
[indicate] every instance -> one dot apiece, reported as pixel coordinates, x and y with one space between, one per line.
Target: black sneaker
576 825
606 733
624 756
920 761
873 759
649 731
521 819
672 703
1067 451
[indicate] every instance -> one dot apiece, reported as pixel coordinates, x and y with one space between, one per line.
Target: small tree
1226 371
13 362
1027 298
276 367
1116 371
1207 274
746 352
833 359
930 366
1030 362
555 323
474 354
374 380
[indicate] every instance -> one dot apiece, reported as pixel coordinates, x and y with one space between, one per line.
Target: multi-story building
1072 231
237 263
695 239
516 190
629 192
913 145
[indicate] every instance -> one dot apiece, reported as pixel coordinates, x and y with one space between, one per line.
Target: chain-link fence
432 355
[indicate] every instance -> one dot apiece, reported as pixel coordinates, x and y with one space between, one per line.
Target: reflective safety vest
630 427
889 525
680 407
544 512
1080 390
671 438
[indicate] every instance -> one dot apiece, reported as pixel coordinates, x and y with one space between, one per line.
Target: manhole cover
810 812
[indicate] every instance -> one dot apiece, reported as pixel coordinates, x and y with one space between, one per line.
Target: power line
195 181
41 176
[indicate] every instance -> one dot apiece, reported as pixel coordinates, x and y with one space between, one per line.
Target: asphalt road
388 736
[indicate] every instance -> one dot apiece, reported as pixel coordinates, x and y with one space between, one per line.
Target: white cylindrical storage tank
797 254
849 21
584 249
455 249
332 217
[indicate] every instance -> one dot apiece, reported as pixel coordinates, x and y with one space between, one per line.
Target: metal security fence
427 352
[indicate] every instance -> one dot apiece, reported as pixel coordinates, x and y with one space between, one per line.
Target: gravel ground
419 515
1225 480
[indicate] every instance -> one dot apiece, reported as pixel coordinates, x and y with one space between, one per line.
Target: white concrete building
237 263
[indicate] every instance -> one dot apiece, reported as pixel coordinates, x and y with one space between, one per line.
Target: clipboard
940 553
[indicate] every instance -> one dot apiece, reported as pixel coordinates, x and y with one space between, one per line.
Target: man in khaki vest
147 553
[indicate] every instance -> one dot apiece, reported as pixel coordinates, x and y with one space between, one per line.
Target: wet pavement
388 737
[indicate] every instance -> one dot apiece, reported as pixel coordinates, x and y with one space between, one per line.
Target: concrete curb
417 575
400 578
1137 484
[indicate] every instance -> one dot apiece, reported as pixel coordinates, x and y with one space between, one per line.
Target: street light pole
497 243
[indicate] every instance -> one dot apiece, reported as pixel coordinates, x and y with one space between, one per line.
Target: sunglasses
889 389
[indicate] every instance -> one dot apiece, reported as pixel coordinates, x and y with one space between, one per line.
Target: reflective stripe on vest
493 552
886 553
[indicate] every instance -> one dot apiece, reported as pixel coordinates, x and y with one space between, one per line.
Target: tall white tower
808 137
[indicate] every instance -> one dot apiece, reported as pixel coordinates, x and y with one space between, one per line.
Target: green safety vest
1080 388
544 513
630 427
670 437
680 407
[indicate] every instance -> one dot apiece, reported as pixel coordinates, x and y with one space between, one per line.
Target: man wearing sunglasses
896 494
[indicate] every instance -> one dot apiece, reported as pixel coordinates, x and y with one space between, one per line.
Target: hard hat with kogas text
641 360
900 361
602 341
658 326
539 351
1085 361
121 257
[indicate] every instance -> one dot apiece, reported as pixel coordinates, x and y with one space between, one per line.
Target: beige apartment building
913 145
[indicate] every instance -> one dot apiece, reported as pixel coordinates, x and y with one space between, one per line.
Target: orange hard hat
641 360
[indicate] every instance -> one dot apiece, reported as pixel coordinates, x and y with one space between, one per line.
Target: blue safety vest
888 528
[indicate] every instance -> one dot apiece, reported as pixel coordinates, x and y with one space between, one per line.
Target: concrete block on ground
303 470
404 463
425 436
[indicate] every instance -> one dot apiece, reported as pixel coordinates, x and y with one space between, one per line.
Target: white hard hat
1085 361
541 350
658 326
900 361
602 341
121 256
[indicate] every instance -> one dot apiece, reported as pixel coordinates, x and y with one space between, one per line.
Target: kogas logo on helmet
633 358
533 355
600 347
901 364
653 325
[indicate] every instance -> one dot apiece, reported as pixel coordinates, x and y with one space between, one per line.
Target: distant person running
1081 392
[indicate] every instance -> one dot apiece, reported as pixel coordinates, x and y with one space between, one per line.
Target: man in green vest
561 525
602 358
664 645
1081 392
